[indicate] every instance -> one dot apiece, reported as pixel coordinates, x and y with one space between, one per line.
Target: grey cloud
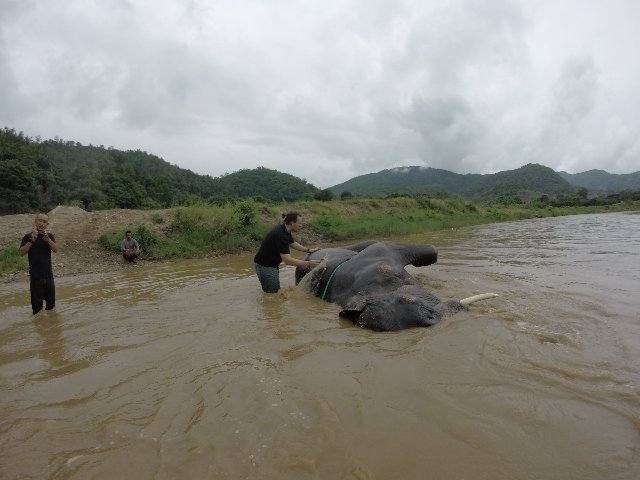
448 130
567 129
574 94
10 98
14 104
446 42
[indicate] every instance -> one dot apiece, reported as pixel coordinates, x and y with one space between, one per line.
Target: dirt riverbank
77 233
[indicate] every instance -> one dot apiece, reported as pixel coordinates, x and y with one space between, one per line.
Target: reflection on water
189 371
49 327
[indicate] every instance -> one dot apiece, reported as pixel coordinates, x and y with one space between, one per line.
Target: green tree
123 191
324 195
346 195
582 193
19 191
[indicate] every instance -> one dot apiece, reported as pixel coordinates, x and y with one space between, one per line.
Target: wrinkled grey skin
373 288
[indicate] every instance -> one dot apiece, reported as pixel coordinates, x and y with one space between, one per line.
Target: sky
327 90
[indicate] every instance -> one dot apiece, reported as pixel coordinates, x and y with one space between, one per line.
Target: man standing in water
39 244
275 248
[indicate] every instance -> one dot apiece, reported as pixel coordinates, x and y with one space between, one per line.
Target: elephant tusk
476 298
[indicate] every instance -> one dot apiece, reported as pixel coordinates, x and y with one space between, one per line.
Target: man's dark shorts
269 278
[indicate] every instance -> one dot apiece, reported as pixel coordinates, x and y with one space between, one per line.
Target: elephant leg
400 254
424 255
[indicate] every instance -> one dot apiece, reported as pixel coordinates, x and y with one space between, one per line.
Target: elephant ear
354 303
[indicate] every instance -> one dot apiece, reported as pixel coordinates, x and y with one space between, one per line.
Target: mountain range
531 178
599 181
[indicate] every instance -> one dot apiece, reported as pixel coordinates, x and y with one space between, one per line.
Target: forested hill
415 180
601 181
38 175
265 183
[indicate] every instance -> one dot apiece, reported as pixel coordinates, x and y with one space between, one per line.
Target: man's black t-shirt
39 257
277 241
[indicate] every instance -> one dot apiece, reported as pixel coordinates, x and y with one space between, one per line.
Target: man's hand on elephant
312 250
314 263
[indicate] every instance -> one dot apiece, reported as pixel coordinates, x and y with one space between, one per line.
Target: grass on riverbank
11 261
359 219
203 230
208 230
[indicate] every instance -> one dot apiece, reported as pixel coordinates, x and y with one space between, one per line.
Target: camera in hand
41 233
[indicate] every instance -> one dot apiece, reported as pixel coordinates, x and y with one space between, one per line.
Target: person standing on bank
275 248
129 247
38 245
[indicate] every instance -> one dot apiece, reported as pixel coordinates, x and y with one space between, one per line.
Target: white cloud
329 90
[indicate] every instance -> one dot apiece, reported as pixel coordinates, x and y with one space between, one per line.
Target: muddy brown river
187 371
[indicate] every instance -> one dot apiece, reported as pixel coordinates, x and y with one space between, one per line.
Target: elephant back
317 279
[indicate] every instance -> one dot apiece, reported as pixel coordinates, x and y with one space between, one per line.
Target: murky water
188 371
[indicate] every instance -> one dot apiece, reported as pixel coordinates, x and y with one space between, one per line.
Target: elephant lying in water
369 281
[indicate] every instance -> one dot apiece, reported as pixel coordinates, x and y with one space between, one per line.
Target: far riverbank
89 240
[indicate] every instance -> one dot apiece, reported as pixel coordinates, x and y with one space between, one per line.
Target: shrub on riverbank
195 231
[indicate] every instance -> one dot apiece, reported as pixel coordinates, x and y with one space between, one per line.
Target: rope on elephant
326 287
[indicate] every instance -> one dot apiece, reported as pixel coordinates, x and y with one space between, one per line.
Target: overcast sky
330 89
